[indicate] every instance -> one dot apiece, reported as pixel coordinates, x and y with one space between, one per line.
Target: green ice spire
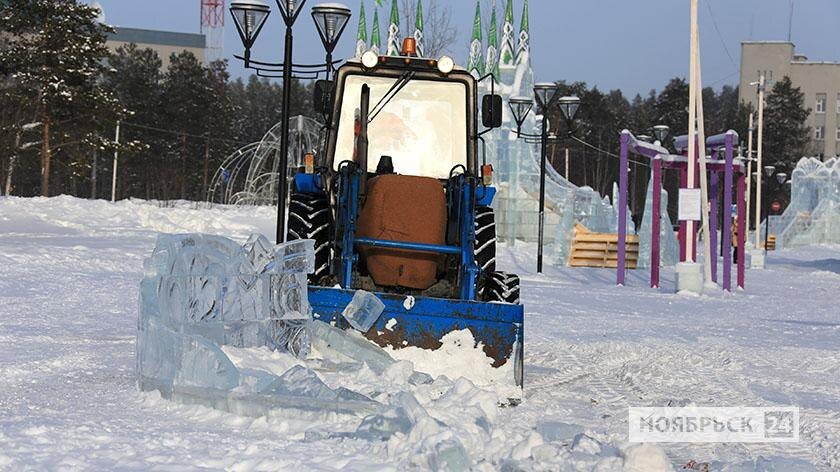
375 41
507 49
394 31
361 38
491 65
418 29
523 49
476 61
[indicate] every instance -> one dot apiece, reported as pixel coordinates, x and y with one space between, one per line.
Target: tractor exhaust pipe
362 140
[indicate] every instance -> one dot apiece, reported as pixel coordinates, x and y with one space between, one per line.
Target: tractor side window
423 128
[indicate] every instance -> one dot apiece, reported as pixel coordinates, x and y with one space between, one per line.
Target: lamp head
520 107
781 177
289 9
545 93
768 170
249 17
569 106
661 132
330 20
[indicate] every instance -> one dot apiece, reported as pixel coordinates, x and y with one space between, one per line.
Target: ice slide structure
517 163
813 215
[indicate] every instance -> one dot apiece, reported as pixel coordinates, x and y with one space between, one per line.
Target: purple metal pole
726 232
656 220
622 206
683 225
742 228
713 217
697 224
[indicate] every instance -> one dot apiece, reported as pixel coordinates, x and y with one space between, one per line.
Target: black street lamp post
781 178
249 17
546 95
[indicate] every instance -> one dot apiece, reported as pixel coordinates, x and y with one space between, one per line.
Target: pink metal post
683 225
742 227
656 220
622 206
726 230
714 181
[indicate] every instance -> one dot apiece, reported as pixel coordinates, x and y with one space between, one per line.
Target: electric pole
116 161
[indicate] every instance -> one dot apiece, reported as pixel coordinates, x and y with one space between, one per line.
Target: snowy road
68 400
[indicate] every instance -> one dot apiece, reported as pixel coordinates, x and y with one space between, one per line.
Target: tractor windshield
423 127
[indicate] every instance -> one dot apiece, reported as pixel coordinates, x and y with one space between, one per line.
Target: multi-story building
819 81
165 43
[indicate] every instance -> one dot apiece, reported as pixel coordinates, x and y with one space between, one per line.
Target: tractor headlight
446 64
370 59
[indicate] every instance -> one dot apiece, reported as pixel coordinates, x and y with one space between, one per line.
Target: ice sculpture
516 166
203 292
813 214
668 245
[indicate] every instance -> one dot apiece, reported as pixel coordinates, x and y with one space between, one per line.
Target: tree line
603 115
62 93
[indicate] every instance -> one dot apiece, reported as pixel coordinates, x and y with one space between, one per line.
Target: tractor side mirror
491 111
322 96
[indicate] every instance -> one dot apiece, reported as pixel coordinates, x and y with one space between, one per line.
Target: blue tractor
399 205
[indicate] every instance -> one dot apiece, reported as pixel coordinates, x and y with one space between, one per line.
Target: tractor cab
398 205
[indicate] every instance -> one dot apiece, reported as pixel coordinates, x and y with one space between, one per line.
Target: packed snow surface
69 398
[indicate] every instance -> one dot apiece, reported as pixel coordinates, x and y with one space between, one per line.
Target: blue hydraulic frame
350 175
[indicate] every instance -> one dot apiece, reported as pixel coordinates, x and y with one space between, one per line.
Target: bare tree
439 33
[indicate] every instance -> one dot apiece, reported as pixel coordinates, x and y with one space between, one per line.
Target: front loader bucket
498 326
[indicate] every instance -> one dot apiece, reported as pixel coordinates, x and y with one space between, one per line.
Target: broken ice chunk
302 382
326 338
449 455
363 310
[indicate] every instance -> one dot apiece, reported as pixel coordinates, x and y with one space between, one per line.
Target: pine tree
135 79
671 106
55 53
186 92
786 136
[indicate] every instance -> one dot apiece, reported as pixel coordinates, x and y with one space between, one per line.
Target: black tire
309 218
502 287
485 239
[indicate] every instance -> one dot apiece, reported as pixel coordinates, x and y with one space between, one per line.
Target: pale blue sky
634 45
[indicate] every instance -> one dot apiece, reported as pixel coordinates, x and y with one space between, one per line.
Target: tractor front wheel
485 239
502 287
309 218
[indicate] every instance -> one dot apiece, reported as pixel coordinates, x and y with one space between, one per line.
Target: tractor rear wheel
502 287
309 218
485 239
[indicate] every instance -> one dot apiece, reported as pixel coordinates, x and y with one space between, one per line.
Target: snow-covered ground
68 399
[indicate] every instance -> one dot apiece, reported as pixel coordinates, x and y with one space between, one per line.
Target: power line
178 133
608 153
720 36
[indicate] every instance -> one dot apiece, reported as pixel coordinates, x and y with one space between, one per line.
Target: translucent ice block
329 338
363 311
201 292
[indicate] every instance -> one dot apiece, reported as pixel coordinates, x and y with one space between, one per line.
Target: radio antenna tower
213 28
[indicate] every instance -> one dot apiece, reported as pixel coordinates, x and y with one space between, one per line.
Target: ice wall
203 292
669 249
812 214
517 165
